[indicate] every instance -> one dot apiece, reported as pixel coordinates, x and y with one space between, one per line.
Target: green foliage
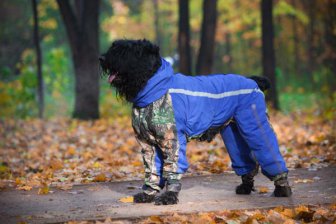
110 104
17 98
284 8
307 92
59 83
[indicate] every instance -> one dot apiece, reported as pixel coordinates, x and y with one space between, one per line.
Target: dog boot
282 188
147 196
169 197
247 184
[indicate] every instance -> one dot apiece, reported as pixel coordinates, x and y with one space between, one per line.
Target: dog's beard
127 89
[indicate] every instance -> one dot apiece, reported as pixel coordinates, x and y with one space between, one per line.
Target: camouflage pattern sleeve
155 129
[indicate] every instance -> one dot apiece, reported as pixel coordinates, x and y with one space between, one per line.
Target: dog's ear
150 48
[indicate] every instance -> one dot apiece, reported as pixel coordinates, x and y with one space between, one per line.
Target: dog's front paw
282 191
143 198
244 188
167 198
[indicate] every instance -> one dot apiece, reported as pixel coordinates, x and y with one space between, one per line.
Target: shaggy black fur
134 62
143 198
263 82
167 198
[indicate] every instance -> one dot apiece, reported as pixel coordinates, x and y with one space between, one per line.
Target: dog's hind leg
247 185
243 161
282 188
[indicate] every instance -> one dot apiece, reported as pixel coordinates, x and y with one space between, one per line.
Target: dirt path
199 194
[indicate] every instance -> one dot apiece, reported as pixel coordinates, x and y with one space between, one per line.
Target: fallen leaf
43 190
290 213
100 178
129 199
25 188
263 190
56 164
303 181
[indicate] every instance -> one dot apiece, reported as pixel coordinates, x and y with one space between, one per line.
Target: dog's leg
247 185
169 197
282 188
147 196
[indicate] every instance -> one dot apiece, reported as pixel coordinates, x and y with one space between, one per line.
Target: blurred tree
184 38
206 52
40 83
13 21
330 38
296 41
268 56
81 22
310 8
156 22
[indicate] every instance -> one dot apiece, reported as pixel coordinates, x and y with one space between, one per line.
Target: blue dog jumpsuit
173 108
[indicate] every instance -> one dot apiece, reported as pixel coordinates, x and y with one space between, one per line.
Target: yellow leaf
137 163
71 151
18 181
100 177
44 190
155 219
126 199
56 164
258 216
288 212
97 165
25 188
263 190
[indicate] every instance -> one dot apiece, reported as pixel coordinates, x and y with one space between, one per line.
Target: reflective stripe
214 95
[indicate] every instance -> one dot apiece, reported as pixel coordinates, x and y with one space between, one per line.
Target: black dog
171 109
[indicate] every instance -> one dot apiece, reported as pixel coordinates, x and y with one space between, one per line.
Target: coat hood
156 86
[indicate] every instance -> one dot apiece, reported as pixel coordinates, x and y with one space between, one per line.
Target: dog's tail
263 82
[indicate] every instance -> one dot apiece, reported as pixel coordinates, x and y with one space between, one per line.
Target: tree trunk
40 84
310 7
184 38
82 30
206 53
330 39
228 53
268 56
156 22
296 43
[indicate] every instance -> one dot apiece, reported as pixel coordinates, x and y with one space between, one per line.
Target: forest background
304 38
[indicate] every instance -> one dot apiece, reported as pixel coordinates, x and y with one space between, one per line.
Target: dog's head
129 64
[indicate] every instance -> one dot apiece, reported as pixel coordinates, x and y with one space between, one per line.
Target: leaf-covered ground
278 215
63 152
